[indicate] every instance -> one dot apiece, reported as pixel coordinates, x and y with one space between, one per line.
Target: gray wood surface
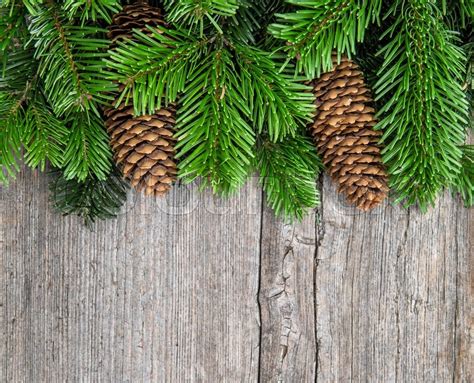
196 289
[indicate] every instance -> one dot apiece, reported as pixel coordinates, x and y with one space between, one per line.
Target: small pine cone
134 16
144 147
344 135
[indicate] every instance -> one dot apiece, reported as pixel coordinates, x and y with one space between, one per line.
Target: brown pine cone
144 147
344 135
134 16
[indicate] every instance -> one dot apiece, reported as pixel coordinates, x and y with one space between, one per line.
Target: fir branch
87 151
464 182
288 170
460 13
11 133
425 115
196 14
12 26
316 28
215 140
91 199
154 68
70 62
16 59
278 101
18 71
45 135
243 25
92 9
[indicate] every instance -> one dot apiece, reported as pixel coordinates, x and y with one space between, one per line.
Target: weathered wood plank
167 292
392 293
288 345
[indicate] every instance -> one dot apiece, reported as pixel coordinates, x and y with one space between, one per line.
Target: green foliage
11 132
90 199
460 13
215 138
17 72
278 101
87 151
12 25
288 170
425 114
154 68
316 28
70 62
195 13
92 9
45 136
464 182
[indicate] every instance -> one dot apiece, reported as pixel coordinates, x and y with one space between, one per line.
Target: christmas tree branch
425 112
196 14
154 68
90 199
92 9
288 170
45 135
316 28
73 54
464 182
278 101
11 132
87 151
215 139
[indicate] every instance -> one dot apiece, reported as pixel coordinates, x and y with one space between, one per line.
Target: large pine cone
344 134
144 147
134 16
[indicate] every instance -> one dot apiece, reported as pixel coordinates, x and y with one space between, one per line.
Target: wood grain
392 295
167 292
288 345
196 289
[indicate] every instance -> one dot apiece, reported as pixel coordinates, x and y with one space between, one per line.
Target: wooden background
195 289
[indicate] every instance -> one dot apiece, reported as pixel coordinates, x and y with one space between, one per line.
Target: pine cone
345 138
144 147
134 16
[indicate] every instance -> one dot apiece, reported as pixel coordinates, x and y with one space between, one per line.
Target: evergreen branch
247 20
16 60
464 182
17 72
425 114
45 136
90 199
288 171
70 62
87 151
154 68
197 13
316 28
12 26
11 133
215 140
250 21
460 12
278 101
92 9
